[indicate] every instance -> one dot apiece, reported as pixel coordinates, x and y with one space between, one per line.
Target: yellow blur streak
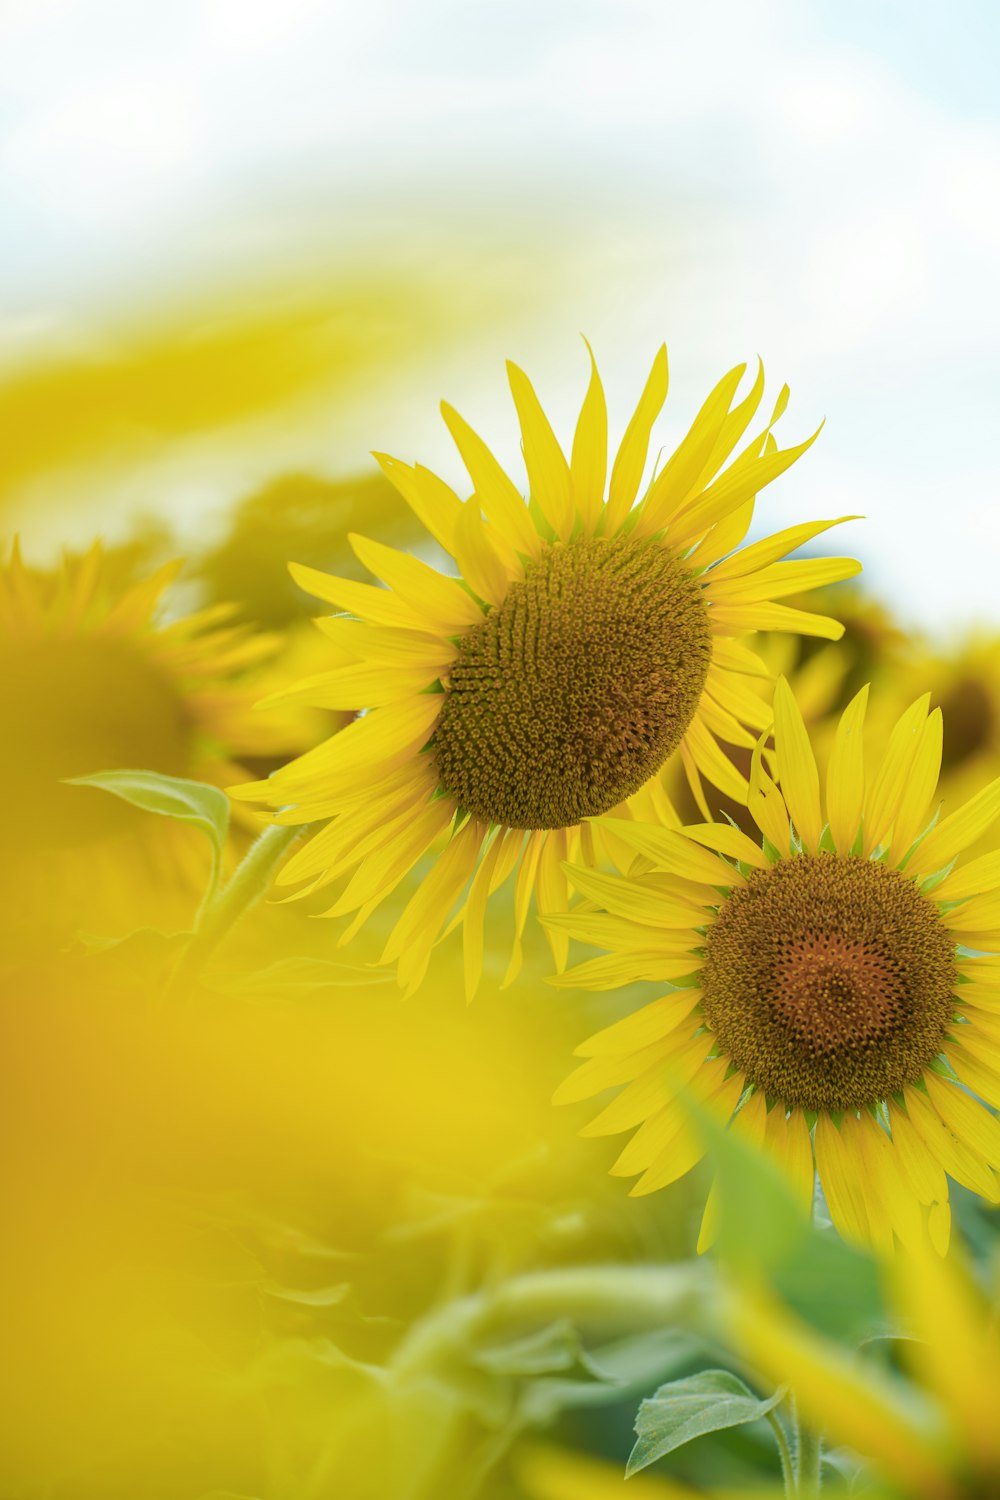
550 1473
212 361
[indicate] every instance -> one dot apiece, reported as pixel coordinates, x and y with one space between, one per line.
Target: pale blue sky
817 182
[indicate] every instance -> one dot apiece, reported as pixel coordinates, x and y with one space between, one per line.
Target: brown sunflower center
574 691
829 981
74 707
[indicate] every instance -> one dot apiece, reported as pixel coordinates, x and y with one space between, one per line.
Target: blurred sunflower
587 639
964 681
828 1001
94 683
929 1427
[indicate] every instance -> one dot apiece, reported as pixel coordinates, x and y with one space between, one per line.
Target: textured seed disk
574 691
829 981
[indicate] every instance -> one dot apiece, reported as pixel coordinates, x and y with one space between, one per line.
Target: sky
816 183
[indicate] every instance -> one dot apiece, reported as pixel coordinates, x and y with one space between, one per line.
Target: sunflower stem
808 1458
611 1299
249 882
785 1453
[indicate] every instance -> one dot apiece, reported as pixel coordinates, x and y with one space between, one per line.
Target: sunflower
928 1427
93 682
836 983
588 638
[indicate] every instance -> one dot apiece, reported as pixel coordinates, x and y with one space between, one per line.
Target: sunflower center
574 691
73 707
829 981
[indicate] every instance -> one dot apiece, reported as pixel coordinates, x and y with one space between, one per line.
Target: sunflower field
500 977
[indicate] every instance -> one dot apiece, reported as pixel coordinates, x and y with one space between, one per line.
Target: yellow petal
355 687
966 1118
788 1141
886 790
797 771
693 777
845 775
725 839
673 485
647 901
688 1146
496 491
721 538
766 804
736 485
912 813
670 850
980 915
612 971
524 886
979 875
712 761
475 916
643 1027
733 427
386 866
548 471
481 561
740 697
430 904
922 1169
723 724
762 554
957 1158
384 644
380 741
380 606
431 500
670 1131
630 461
589 460
782 579
326 849
734 656
649 1093
959 830
600 1073
618 934
891 1206
552 895
416 954
839 1168
742 619
442 600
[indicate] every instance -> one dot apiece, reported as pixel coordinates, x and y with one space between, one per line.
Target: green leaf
194 802
629 1366
685 1409
170 796
548 1351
